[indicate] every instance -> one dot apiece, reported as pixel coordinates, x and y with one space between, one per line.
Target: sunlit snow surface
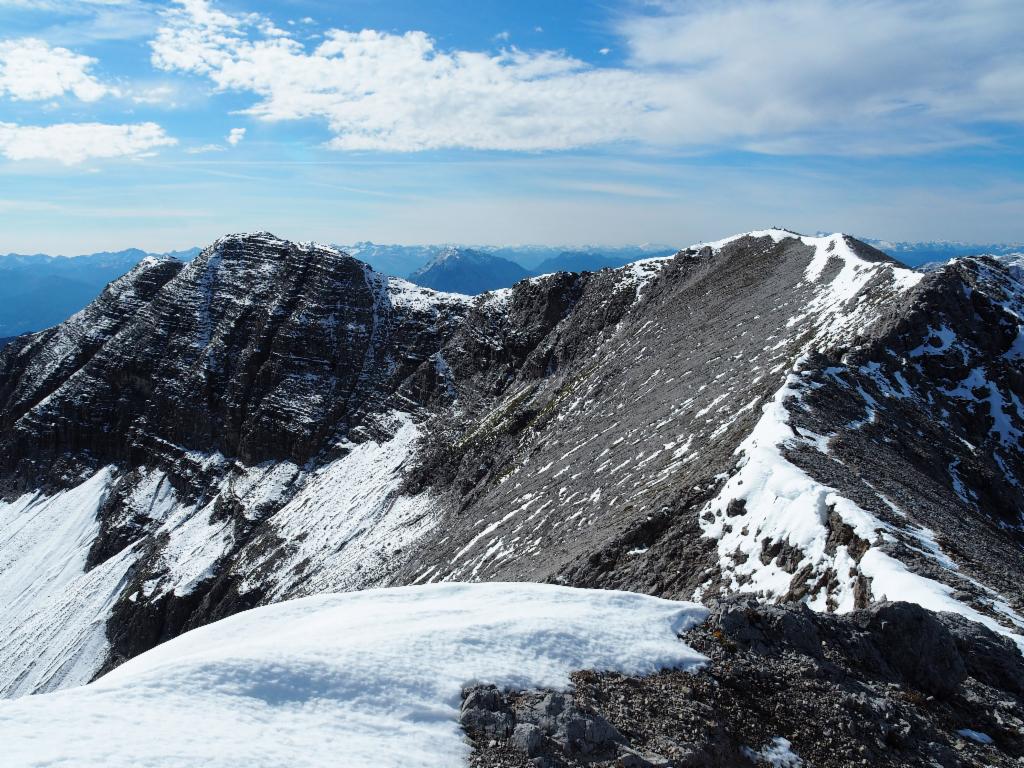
52 613
367 678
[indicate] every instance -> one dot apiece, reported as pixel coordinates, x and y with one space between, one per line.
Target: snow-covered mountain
1014 262
464 270
392 259
799 418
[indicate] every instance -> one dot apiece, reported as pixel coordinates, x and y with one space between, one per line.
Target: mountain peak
469 271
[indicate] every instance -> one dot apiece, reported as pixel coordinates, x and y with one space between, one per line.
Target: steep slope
1014 263
197 399
800 418
714 440
464 270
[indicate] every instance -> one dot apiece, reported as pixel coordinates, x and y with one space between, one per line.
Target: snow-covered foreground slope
369 678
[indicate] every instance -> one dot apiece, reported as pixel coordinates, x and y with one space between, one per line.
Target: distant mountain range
465 270
473 271
38 291
403 260
920 253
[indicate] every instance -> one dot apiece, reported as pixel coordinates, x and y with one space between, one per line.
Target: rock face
801 419
891 685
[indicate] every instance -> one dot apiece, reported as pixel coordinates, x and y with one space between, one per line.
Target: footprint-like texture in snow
369 678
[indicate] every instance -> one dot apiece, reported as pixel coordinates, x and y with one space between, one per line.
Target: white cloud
72 143
399 92
235 136
31 70
817 76
873 76
204 149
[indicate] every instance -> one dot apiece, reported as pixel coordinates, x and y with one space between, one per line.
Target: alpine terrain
817 443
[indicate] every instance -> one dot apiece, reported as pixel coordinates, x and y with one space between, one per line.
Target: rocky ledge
891 685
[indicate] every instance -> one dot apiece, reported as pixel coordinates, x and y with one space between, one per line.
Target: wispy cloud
204 149
835 77
63 6
806 76
378 90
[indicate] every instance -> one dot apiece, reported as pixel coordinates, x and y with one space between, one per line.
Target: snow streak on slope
362 679
53 614
348 525
343 526
782 503
405 294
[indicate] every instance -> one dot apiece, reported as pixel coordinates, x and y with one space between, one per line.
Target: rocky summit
801 421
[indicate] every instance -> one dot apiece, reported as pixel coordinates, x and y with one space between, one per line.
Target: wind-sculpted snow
372 678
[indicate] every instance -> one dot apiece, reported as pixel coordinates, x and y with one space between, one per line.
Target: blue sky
164 125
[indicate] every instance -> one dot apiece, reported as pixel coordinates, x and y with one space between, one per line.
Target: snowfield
368 678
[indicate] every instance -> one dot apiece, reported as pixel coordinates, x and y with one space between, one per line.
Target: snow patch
778 754
411 296
768 498
976 736
361 679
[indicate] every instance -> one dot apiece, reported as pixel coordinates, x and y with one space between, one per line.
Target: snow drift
369 678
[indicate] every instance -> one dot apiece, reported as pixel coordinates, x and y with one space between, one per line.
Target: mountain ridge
276 419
